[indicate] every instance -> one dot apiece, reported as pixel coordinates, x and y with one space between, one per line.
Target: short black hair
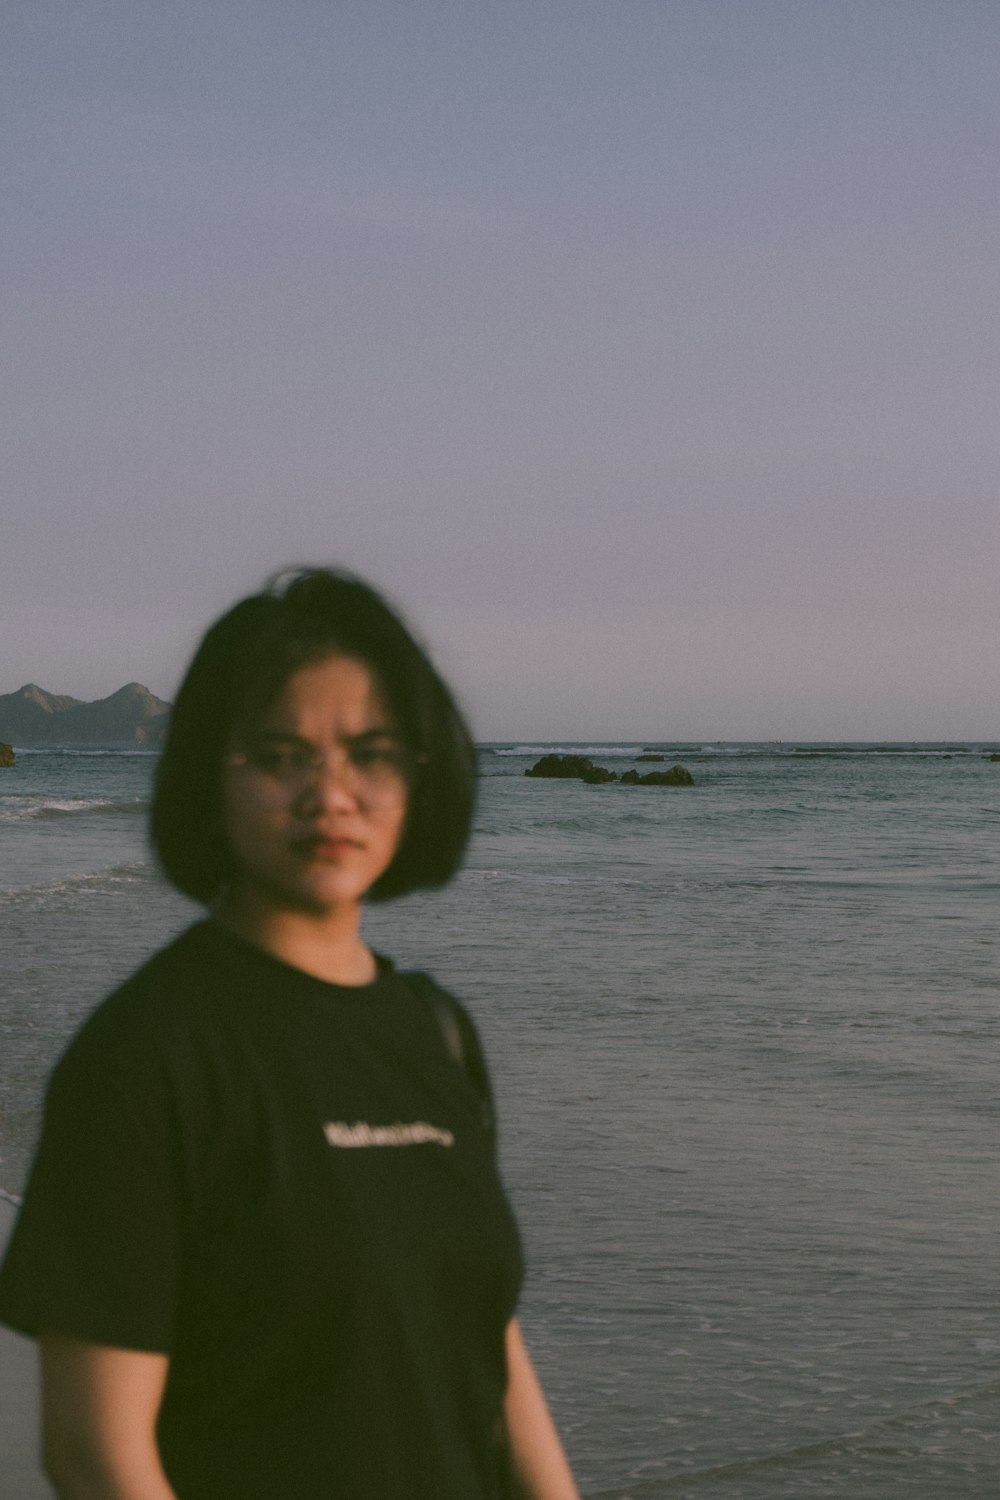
242 664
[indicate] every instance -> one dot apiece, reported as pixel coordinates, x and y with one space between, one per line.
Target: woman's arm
99 1409
540 1463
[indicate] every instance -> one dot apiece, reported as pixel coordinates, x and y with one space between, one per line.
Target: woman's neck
326 945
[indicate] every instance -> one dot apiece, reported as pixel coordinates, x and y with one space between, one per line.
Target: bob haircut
241 666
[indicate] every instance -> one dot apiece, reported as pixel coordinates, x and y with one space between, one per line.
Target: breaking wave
22 809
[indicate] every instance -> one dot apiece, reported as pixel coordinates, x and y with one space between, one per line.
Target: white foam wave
90 881
619 752
77 752
20 809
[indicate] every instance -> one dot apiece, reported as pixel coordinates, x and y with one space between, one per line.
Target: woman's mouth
325 847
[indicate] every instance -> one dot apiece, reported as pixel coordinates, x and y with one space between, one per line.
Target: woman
264 1246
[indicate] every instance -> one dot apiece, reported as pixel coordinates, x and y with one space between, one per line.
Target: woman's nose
331 779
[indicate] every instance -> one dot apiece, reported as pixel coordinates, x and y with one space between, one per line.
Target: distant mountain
132 716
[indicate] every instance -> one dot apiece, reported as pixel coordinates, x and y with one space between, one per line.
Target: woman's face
315 793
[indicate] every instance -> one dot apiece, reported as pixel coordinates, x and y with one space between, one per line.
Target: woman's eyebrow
273 736
289 737
380 732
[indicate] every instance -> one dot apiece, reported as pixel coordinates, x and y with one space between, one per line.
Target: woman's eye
277 762
367 756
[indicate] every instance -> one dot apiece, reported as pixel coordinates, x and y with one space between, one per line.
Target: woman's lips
330 847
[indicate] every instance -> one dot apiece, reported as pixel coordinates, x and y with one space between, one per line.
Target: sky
645 351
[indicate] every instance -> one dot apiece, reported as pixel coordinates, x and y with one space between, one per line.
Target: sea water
744 1040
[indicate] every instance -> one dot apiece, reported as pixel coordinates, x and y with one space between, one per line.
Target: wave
80 752
763 749
627 752
517 877
91 880
911 750
859 1441
21 809
807 750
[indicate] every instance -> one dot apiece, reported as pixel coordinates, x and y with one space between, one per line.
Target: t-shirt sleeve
94 1251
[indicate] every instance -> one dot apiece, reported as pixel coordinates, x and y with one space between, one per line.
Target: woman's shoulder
458 1033
451 1012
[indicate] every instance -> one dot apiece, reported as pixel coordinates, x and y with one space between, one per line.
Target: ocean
744 1041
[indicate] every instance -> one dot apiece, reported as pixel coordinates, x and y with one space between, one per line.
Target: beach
743 1040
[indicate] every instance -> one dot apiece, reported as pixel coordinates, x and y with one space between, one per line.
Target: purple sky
646 350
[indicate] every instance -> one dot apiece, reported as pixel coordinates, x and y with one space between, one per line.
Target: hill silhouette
131 716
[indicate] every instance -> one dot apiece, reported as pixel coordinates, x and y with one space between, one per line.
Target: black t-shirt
290 1188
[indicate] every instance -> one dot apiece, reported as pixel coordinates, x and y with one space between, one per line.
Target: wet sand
20 1476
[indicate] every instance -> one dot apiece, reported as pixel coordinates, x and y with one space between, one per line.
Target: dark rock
597 775
582 768
571 768
995 757
6 756
651 757
676 776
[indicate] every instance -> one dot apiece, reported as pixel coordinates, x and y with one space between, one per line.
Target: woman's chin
321 898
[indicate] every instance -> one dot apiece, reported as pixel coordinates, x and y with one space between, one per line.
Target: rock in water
582 768
596 775
7 755
571 768
676 776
